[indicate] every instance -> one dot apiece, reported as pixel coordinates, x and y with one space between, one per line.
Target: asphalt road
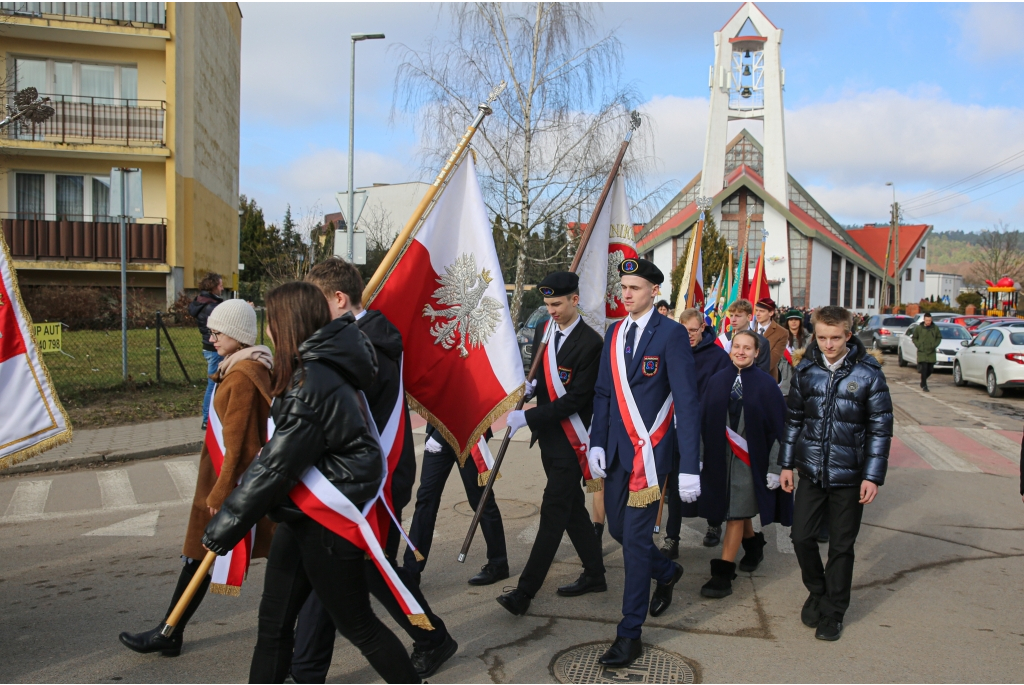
937 587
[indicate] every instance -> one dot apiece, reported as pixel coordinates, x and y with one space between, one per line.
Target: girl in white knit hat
238 422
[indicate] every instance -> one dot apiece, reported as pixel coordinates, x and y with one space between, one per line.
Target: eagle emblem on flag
470 317
613 296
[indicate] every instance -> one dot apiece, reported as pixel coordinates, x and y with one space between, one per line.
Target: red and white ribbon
738 444
643 481
484 461
724 342
229 570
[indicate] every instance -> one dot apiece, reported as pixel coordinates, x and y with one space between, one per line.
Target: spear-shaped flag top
446 294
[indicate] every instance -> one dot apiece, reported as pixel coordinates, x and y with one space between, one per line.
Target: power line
987 169
1006 174
972 200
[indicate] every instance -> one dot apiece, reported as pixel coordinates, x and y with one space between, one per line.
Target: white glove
773 481
432 446
516 420
531 389
596 460
689 487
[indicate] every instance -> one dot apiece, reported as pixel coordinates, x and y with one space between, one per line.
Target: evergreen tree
715 255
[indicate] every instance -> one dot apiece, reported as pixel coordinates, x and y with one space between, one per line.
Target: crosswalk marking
29 498
115 489
995 442
938 455
184 474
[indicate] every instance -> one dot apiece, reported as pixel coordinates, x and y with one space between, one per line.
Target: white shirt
832 368
565 332
641 324
361 314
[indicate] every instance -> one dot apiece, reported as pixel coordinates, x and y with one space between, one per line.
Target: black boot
152 640
722 574
753 549
670 548
599 531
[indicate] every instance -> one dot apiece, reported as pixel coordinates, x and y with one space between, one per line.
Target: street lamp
356 37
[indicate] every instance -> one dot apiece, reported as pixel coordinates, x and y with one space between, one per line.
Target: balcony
94 120
147 14
84 241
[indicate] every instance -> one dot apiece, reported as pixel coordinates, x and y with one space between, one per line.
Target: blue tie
630 339
558 340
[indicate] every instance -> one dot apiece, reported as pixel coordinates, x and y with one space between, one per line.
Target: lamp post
356 37
895 240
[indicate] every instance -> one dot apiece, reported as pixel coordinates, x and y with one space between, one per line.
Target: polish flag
32 420
698 284
611 241
446 294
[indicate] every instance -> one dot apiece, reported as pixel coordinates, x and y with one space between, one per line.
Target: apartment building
146 85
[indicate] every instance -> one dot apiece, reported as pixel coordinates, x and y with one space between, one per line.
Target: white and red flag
611 241
446 294
33 419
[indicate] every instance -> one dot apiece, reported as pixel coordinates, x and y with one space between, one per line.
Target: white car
952 335
995 359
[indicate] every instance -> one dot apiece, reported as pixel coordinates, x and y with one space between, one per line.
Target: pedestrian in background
793 322
242 405
210 289
926 338
838 433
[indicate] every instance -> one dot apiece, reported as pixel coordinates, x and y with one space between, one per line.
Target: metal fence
90 361
88 119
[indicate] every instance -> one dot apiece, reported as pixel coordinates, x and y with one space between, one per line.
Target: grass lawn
119 406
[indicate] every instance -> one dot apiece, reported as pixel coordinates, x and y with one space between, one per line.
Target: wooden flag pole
538 354
704 204
186 597
759 271
406 233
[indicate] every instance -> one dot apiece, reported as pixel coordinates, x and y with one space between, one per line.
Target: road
937 589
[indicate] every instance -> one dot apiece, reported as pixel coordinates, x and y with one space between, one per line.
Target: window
833 295
861 275
980 340
908 275
922 276
871 287
798 246
79 81
994 339
1017 338
848 286
62 197
920 253
30 192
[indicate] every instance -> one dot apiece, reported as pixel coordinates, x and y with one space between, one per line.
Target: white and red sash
643 482
788 355
484 461
229 570
738 444
724 342
572 426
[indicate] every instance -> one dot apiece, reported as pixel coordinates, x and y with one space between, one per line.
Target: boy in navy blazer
645 406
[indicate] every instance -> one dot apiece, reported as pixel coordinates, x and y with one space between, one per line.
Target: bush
87 308
927 306
964 299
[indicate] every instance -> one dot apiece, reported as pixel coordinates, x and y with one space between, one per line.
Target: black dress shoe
583 585
663 592
829 629
152 641
670 548
713 536
516 601
622 653
428 661
490 574
810 615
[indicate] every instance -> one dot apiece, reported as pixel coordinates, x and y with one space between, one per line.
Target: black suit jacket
579 358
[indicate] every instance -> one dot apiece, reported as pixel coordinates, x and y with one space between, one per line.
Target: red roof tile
874 240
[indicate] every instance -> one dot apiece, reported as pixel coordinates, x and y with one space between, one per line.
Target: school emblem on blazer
651 365
564 375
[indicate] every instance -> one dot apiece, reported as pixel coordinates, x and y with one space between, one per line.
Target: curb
96 458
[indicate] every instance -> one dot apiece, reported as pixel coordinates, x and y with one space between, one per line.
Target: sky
923 95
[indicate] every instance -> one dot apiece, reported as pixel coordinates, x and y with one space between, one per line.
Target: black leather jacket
839 425
200 309
320 421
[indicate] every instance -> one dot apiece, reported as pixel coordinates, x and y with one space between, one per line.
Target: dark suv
524 336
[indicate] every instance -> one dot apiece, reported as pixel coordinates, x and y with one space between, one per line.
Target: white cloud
674 131
992 31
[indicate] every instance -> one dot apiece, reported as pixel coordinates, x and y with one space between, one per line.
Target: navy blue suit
665 343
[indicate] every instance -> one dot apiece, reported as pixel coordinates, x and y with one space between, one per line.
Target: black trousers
563 509
401 494
305 556
433 476
925 369
832 581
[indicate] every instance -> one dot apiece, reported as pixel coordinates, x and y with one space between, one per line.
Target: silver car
884 330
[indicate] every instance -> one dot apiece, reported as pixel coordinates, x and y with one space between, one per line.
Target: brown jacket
778 338
242 403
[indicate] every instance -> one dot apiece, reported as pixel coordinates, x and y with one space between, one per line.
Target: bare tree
547 148
1001 253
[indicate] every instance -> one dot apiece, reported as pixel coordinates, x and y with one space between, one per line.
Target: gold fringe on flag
644 497
481 478
229 590
595 485
420 621
418 555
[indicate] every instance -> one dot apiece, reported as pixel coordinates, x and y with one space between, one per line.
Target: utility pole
349 218
896 251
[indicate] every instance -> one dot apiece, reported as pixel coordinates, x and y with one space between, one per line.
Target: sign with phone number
48 337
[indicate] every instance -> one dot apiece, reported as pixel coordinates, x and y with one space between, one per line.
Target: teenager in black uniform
560 424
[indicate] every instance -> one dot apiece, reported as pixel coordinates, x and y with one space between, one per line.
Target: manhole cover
579 665
510 509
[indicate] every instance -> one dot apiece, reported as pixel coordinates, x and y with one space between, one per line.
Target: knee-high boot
152 640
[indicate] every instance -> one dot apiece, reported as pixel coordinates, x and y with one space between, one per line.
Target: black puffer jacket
319 421
200 309
839 425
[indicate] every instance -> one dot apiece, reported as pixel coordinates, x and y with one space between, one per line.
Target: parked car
526 332
936 316
972 323
883 331
1001 321
952 335
995 358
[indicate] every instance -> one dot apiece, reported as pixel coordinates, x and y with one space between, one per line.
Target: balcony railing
133 13
84 241
84 119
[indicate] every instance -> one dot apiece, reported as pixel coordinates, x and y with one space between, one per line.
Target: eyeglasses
215 334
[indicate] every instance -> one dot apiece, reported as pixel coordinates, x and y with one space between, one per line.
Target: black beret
643 268
559 283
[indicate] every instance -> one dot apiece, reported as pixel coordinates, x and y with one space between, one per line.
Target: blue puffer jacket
838 425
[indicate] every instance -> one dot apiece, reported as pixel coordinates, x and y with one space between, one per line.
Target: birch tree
545 152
